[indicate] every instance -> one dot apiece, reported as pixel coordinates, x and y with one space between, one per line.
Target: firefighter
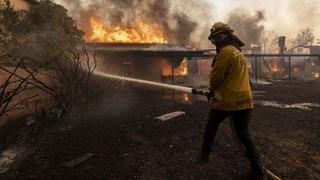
231 94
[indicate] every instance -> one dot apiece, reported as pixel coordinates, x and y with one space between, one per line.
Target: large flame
182 70
140 33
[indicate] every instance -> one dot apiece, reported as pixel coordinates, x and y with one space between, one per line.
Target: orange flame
276 67
142 33
316 74
182 70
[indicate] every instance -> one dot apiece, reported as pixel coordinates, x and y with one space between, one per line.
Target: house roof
151 49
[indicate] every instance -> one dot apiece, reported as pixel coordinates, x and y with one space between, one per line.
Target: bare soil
128 143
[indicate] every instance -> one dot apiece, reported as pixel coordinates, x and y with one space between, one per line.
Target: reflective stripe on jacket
230 81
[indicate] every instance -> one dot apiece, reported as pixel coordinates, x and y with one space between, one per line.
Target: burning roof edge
150 49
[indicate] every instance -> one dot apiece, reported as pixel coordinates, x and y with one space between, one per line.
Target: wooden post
172 70
289 68
172 76
256 67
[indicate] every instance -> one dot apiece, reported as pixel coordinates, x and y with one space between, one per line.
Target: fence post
172 77
256 67
289 68
172 70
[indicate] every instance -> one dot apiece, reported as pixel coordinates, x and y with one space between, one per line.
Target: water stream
121 78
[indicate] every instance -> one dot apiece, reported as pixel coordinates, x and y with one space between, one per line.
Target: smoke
306 13
285 17
182 22
247 26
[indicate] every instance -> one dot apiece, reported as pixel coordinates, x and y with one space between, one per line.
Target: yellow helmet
219 27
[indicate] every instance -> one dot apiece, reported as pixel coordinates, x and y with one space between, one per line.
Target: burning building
150 61
141 51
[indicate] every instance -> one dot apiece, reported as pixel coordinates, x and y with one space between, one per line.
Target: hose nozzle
199 92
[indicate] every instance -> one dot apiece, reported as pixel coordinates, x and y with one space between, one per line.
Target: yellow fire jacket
229 80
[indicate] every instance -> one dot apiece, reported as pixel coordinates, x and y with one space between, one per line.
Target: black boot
204 157
259 175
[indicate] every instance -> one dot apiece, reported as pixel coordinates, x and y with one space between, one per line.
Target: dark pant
241 121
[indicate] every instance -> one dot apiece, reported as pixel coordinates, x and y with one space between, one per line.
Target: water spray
152 83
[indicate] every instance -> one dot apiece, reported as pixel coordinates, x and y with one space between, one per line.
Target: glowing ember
186 98
141 33
275 67
182 70
316 74
296 69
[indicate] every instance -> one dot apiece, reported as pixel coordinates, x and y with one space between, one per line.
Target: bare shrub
12 87
69 83
66 82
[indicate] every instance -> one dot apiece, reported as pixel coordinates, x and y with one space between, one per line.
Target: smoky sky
285 17
247 26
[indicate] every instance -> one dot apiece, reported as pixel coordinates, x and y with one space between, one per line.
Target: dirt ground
128 143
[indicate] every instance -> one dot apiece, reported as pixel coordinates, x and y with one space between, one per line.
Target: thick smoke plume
286 17
248 27
181 22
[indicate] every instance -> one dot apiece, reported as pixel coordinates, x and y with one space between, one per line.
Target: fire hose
208 94
238 142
